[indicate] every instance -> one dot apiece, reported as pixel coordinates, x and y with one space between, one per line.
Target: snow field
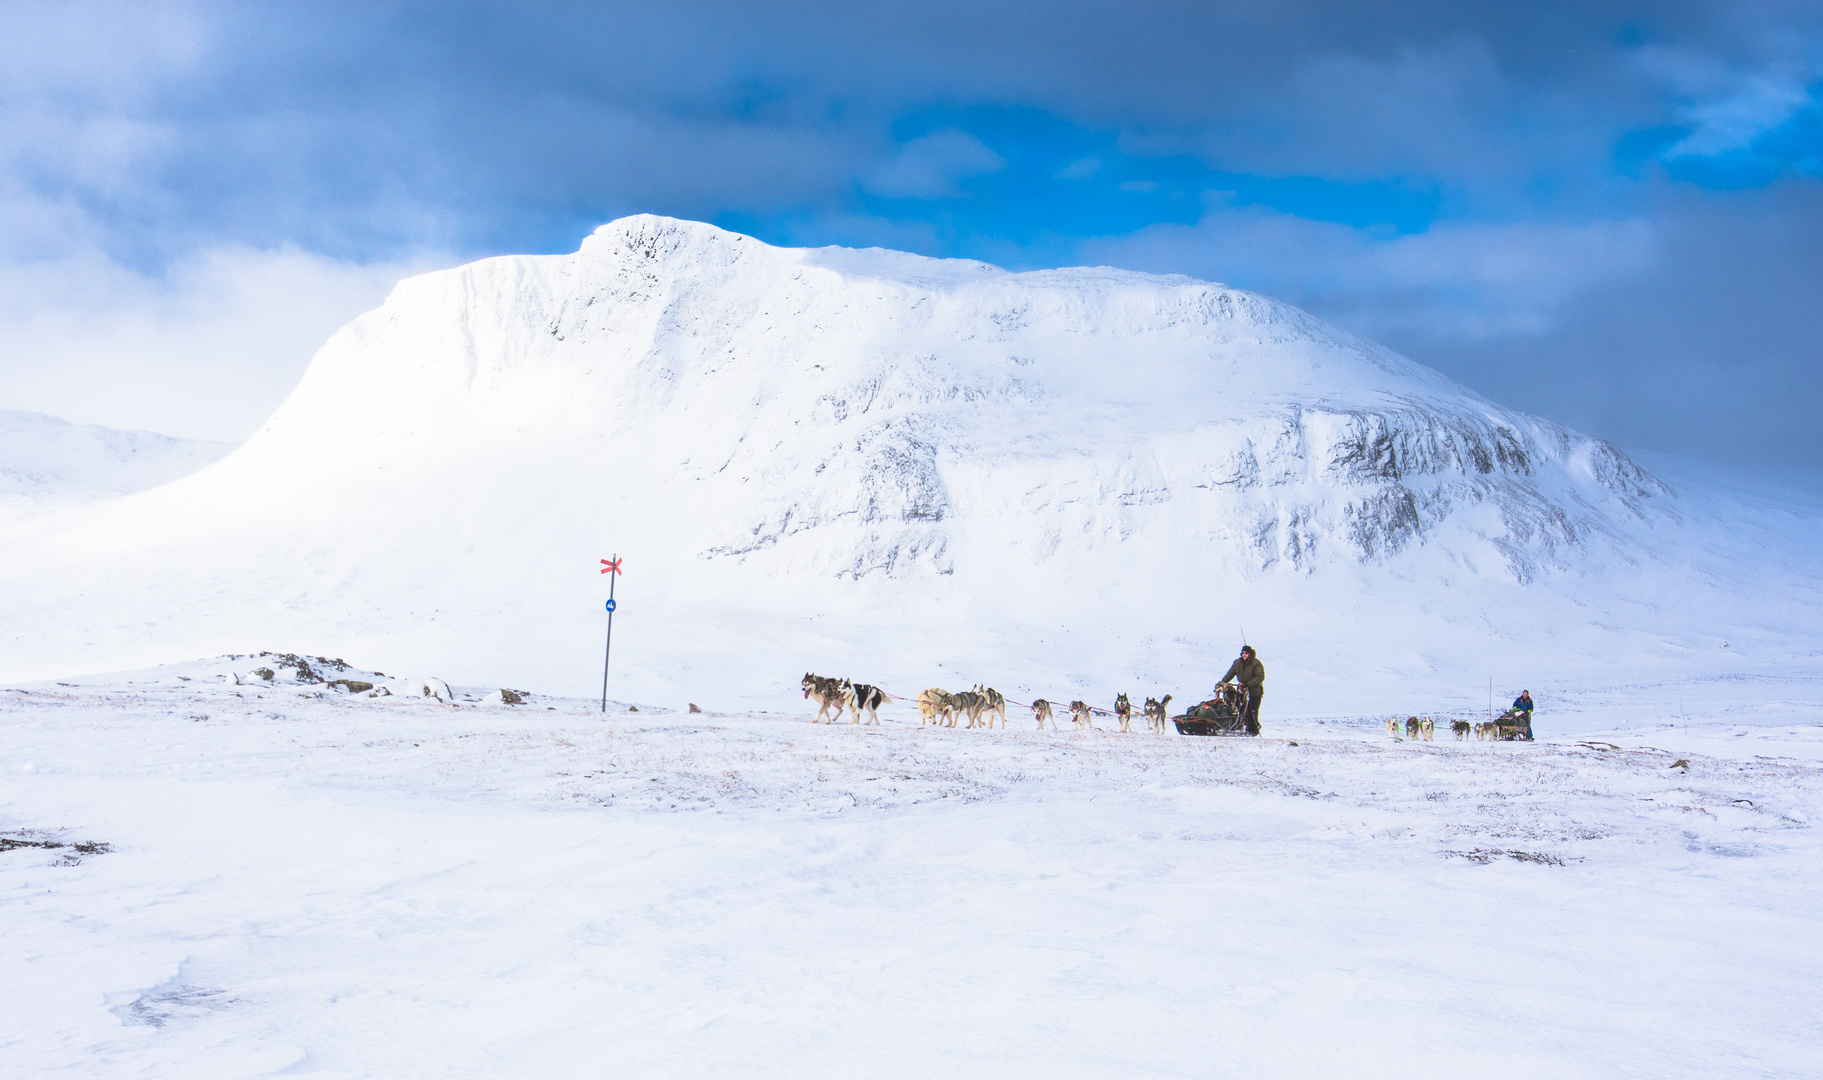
342 887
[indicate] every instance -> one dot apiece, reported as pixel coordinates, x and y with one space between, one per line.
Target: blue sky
1608 214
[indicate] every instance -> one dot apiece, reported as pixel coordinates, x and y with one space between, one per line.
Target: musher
1250 673
1522 708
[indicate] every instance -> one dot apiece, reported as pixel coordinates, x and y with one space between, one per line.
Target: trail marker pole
610 567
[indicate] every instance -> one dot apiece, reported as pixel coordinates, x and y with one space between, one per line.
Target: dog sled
1223 714
1513 725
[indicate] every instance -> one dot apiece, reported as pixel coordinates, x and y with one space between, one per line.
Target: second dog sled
1223 714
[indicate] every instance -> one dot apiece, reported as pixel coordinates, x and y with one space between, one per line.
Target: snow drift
836 457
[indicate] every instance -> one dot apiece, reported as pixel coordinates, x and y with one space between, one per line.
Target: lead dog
1123 711
828 693
1041 711
1081 715
1392 726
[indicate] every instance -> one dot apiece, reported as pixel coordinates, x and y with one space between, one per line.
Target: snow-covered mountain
47 460
854 413
867 459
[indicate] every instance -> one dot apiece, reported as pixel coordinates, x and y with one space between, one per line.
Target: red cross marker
610 566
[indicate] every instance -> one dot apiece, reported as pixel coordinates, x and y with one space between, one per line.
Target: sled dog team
1425 728
980 706
937 706
983 704
1415 728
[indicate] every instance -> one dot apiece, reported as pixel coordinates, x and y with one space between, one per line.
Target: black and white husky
858 696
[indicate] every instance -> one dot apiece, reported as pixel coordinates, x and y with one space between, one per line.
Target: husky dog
1460 729
935 706
1486 731
970 703
1041 711
1427 727
1156 712
1123 711
1392 726
828 693
996 704
860 696
1411 727
1081 715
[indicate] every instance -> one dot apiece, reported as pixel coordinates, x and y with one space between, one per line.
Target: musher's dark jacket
1249 673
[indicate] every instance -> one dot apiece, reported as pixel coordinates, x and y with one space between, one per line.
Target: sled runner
1220 715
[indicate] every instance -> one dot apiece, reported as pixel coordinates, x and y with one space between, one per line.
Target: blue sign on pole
610 567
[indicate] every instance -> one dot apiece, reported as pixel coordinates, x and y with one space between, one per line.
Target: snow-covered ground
300 879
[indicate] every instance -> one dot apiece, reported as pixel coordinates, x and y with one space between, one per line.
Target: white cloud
1465 281
929 167
1726 106
206 349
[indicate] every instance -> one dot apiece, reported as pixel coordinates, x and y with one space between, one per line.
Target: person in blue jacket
1522 705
